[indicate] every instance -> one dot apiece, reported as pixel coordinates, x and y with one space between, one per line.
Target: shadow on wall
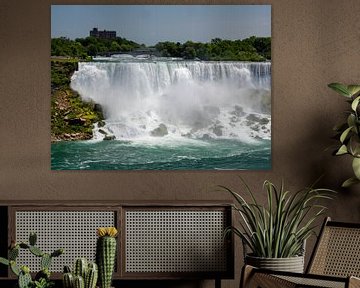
333 169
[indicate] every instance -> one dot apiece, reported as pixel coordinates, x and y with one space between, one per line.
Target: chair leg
251 279
217 283
354 282
246 274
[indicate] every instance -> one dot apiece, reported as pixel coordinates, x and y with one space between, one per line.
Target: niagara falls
174 114
161 87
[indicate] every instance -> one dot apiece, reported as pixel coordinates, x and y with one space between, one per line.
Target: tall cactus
106 254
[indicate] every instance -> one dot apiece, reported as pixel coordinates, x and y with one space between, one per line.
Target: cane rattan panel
313 282
338 253
75 231
167 241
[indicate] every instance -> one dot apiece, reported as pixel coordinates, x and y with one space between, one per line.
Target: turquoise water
219 154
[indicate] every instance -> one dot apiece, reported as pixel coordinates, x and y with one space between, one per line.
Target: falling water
191 98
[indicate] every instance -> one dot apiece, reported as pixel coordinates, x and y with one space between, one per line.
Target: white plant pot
291 264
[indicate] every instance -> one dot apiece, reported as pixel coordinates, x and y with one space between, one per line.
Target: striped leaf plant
348 133
279 228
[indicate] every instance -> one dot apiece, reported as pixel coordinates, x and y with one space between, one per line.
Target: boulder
109 137
160 131
101 123
103 131
238 111
253 118
217 129
206 137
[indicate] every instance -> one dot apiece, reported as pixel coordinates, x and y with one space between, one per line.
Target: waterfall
161 97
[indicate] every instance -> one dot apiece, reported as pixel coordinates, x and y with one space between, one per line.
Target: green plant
85 275
105 254
349 132
279 229
42 278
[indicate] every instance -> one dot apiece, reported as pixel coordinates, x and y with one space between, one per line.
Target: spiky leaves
279 229
348 132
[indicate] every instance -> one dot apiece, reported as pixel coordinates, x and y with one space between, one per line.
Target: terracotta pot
291 264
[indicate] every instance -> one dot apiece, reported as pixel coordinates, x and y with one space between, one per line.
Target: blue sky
150 24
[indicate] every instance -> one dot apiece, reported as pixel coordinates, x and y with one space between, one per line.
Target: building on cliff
102 34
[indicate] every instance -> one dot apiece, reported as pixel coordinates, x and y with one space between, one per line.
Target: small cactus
23 273
91 276
89 272
14 268
45 261
80 267
44 273
13 253
4 261
79 282
57 252
32 238
68 280
106 254
36 251
24 277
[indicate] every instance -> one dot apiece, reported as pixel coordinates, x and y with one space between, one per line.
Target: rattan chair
334 263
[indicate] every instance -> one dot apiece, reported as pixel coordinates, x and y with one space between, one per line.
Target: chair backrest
337 251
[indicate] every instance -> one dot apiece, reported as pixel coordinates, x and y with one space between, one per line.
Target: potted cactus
84 275
106 254
42 278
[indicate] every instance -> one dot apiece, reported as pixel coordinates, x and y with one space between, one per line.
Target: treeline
89 46
249 49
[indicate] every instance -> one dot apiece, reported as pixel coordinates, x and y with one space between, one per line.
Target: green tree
189 53
115 46
92 50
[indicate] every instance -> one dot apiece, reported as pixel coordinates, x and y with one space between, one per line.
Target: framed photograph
160 87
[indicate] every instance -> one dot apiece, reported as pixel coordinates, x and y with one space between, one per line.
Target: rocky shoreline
71 118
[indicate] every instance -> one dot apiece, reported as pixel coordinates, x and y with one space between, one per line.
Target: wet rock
264 121
98 108
206 137
255 128
253 118
103 131
217 129
101 123
76 121
159 131
239 111
109 137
